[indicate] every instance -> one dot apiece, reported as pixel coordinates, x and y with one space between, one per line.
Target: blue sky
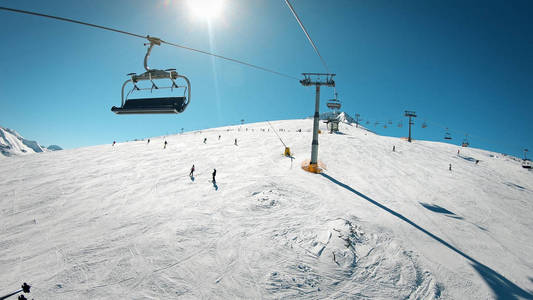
466 65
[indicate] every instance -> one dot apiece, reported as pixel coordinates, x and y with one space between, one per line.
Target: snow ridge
341 116
12 144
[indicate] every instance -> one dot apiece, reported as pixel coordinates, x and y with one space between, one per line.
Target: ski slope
128 222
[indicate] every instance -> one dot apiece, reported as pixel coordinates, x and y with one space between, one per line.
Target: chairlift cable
145 37
307 34
276 134
231 59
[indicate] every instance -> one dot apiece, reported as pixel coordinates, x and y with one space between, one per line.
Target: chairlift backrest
333 104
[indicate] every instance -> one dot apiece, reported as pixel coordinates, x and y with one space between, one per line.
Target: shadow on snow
439 209
501 286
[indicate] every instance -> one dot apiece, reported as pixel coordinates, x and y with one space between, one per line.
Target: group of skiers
191 173
166 143
214 174
449 166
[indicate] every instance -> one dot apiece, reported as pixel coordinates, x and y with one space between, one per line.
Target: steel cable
146 37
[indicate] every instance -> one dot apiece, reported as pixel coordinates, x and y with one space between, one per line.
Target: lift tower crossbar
410 114
316 79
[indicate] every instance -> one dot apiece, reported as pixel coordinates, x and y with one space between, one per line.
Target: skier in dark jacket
165 147
214 174
192 171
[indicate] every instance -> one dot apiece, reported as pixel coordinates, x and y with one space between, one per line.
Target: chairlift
526 163
447 135
390 122
157 105
334 103
385 126
424 125
465 141
400 124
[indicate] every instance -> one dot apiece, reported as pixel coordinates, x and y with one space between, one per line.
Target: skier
214 174
450 167
113 144
192 172
148 141
477 161
394 148
205 140
236 142
165 146
457 152
219 137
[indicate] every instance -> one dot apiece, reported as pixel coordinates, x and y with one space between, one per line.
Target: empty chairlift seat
157 78
333 105
167 105
526 164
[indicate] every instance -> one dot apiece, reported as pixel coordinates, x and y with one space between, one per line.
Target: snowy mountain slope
11 143
127 222
341 116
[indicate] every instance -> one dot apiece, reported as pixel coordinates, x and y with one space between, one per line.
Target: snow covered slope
11 143
127 221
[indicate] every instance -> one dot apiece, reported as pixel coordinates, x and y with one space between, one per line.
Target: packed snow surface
127 222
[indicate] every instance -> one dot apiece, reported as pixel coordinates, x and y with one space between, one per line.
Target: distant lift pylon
159 105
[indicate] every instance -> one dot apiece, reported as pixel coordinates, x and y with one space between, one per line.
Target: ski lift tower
321 79
526 163
410 114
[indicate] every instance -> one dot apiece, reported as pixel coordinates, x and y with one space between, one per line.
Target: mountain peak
12 144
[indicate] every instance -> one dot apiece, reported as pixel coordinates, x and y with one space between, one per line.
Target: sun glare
207 9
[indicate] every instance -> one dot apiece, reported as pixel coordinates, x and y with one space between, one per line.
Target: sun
206 9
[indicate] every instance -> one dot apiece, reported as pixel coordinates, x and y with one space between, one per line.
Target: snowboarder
214 174
192 172
205 140
148 141
450 167
394 148
165 146
114 143
219 137
236 142
477 161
